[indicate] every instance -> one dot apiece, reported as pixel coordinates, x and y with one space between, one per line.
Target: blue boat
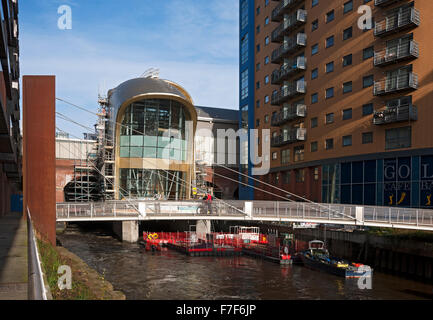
317 257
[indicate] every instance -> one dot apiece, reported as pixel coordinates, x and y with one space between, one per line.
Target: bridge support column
202 228
127 231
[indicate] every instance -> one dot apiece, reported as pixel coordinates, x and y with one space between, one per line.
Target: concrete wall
127 231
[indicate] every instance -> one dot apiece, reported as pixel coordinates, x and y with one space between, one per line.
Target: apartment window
257 122
314 49
329 41
258 85
314 122
330 67
244 49
314 73
258 48
266 21
285 156
266 41
299 153
258 66
367 137
347 60
314 146
368 53
258 103
367 109
329 144
347 141
348 6
266 3
316 174
266 79
329 93
300 175
329 118
287 177
347 114
244 84
315 25
314 3
330 16
274 156
398 138
266 118
314 98
347 34
258 10
266 59
277 178
367 81
266 99
258 29
347 87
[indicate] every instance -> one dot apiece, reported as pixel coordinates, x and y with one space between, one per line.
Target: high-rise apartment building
345 87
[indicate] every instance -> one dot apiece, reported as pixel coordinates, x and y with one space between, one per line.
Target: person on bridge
208 200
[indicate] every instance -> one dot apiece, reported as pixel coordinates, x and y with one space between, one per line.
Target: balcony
289 47
293 112
384 3
293 135
290 23
282 8
407 18
396 54
288 91
401 113
390 85
294 66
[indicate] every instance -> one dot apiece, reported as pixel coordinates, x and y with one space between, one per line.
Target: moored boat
317 257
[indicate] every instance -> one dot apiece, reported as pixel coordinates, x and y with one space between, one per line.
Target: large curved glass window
154 128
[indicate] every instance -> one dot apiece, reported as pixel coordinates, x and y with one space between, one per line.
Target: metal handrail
395 53
397 20
36 285
393 84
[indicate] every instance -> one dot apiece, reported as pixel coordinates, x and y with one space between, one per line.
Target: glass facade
402 182
146 183
154 128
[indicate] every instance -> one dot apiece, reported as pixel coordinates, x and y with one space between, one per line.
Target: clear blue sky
192 42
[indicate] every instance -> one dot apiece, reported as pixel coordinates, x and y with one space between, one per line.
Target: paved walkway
13 257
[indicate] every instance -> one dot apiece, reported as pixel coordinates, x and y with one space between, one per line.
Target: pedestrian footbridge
262 211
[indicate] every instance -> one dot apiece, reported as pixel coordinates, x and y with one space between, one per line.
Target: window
266 118
329 118
330 67
314 3
266 79
244 49
300 175
244 84
368 53
330 16
348 6
299 153
367 81
287 177
258 84
314 98
258 29
285 156
314 122
314 73
398 138
347 60
367 109
314 49
329 41
315 25
266 21
347 141
329 93
266 99
258 10
316 174
258 103
266 41
347 34
314 146
367 137
257 122
244 14
266 59
347 114
266 3
274 156
347 87
258 48
329 144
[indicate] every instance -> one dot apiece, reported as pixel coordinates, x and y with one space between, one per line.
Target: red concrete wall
64 175
39 164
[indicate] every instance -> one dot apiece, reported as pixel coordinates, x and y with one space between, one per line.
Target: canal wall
389 254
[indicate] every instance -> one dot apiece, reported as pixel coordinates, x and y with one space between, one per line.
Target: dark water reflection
170 275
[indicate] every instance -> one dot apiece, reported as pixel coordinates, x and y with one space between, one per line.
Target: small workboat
317 257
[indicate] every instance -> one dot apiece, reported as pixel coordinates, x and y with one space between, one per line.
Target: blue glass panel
370 194
416 195
404 169
416 168
124 152
150 141
379 197
357 172
136 152
370 171
357 197
346 173
137 141
124 141
345 194
379 170
149 152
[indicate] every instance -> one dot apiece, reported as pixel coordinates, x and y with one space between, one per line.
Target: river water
170 275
